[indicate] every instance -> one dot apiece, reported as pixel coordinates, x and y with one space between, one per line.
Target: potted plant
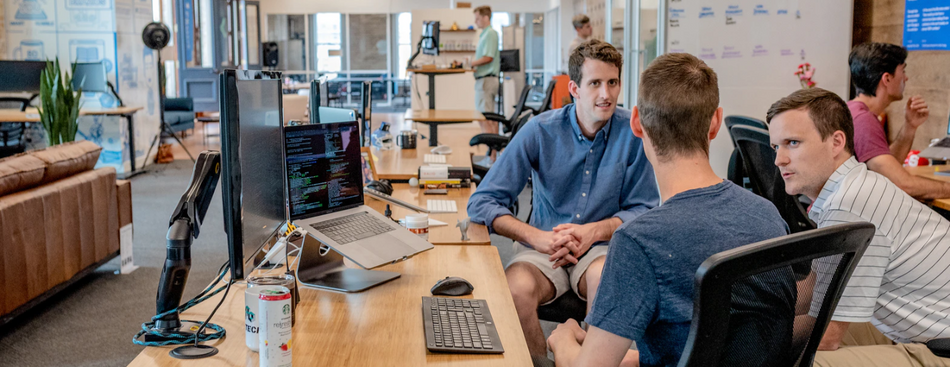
59 104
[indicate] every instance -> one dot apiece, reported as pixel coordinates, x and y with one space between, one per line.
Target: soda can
276 326
251 302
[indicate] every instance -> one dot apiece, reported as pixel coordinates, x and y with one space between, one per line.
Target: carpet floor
92 322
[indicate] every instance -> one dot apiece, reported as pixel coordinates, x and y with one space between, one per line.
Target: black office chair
11 133
765 178
736 173
495 143
726 327
508 122
546 102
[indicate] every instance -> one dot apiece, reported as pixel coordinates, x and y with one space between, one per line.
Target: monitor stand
325 270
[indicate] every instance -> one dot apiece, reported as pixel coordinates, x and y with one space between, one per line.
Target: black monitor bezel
230 159
105 75
11 67
432 26
326 126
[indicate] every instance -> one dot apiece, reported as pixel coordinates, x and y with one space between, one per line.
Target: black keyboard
353 227
459 326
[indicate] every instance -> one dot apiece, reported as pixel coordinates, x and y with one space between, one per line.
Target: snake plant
59 104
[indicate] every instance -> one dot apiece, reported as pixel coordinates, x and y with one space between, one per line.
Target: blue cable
180 339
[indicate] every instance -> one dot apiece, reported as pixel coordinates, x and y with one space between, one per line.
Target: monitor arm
112 88
418 49
183 227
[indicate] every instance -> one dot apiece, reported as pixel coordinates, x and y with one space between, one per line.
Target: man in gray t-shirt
646 289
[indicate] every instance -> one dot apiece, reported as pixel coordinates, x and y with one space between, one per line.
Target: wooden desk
441 235
403 164
381 326
431 73
435 117
33 115
928 172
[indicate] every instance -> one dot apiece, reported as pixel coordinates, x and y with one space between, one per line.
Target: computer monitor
21 76
252 159
366 101
90 76
319 97
323 168
510 60
430 37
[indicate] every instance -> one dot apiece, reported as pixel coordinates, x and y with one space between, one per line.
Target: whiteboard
755 48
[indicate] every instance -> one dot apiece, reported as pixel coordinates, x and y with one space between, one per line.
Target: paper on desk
439 165
432 222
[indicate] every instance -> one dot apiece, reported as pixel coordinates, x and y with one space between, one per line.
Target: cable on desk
180 339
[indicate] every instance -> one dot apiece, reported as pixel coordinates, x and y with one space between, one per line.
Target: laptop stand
325 270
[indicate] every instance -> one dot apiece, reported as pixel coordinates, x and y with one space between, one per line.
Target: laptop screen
323 168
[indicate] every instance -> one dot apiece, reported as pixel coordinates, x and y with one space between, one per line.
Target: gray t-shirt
646 290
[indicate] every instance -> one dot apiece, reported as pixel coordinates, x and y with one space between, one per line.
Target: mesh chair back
750 310
737 172
11 133
765 179
731 121
546 102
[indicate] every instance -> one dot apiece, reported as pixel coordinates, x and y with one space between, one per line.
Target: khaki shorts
485 91
863 345
563 278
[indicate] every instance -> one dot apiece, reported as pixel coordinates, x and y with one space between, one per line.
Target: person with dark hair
589 175
487 64
879 73
901 284
647 286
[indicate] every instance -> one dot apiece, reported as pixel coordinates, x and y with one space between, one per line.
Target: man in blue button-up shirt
589 175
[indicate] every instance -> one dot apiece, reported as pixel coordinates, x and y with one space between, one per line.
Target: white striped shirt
902 283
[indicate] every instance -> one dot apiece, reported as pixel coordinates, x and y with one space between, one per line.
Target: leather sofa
59 221
180 114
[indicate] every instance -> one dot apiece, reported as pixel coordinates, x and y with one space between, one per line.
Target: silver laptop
325 190
939 150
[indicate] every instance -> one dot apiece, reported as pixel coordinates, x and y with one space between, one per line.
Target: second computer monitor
21 76
430 37
90 76
252 159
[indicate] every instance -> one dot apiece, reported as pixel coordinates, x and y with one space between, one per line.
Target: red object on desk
914 159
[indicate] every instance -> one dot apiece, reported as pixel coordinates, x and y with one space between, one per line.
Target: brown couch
59 221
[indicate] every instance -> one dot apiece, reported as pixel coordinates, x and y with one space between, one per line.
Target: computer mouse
442 149
452 286
381 186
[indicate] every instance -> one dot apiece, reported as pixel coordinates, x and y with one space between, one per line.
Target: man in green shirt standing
487 65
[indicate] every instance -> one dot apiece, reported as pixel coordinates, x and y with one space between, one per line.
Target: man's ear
635 122
572 89
886 80
839 143
715 124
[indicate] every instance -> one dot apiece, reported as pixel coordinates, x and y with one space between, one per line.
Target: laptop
325 193
939 150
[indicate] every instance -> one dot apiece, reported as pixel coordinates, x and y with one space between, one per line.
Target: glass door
198 39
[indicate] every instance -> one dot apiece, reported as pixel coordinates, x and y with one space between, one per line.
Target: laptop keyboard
353 227
943 143
459 326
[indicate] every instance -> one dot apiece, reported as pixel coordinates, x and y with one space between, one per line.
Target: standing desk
381 326
441 235
431 73
32 115
434 118
928 172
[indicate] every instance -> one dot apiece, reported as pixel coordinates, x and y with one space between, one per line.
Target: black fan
156 37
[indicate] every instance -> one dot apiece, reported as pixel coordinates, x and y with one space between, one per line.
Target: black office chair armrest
491 140
494 117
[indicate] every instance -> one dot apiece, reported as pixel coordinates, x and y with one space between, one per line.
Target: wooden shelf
454 51
460 30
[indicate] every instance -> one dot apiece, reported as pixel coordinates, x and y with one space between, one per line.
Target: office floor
92 322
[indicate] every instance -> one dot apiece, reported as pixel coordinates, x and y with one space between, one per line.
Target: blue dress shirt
575 179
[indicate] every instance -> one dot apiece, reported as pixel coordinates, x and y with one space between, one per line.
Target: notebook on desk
325 190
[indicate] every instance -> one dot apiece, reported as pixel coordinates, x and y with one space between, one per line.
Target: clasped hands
567 242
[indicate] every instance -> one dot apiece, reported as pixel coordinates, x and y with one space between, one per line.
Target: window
404 42
329 32
498 22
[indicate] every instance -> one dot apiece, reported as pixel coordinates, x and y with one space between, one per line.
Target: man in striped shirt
902 283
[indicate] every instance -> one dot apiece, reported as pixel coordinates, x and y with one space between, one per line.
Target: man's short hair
869 61
579 21
483 10
829 112
594 50
678 96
